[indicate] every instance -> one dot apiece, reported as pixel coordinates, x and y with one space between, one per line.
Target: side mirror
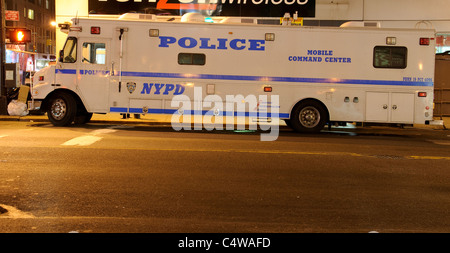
61 56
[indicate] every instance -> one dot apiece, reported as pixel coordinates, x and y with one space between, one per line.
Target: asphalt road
102 178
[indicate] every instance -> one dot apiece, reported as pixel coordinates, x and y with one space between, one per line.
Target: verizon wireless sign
241 8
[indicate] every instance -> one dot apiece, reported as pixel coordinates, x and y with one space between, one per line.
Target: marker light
95 30
424 41
267 89
154 32
270 36
391 40
422 94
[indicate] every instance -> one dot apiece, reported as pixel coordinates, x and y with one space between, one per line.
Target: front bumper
34 105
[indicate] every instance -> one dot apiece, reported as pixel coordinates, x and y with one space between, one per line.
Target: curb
156 122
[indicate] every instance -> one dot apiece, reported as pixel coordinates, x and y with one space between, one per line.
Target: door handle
394 107
112 69
385 107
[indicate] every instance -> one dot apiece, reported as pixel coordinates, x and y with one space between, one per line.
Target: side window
93 53
390 57
69 52
191 59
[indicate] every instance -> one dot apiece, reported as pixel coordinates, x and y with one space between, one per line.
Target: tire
62 109
288 123
83 118
309 116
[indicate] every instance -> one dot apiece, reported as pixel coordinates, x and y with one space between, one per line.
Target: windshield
69 53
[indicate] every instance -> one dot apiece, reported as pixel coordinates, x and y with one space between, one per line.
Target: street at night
127 178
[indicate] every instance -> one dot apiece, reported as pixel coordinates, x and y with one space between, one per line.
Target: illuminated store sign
242 8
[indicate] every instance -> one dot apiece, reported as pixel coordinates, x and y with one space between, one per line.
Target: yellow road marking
428 157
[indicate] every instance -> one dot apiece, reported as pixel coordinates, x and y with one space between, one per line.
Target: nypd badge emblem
131 87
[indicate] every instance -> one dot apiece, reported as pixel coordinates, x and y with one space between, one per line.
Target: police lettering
164 89
208 43
94 72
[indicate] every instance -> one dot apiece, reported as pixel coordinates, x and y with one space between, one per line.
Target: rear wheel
309 116
62 109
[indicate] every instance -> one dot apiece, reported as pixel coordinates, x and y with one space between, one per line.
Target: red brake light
41 78
422 94
424 41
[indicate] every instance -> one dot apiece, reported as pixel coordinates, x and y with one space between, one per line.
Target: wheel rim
58 109
309 117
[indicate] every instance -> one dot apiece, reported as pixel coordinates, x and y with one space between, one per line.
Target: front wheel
309 116
83 118
62 109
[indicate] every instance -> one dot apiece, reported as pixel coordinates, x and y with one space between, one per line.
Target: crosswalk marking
82 141
89 139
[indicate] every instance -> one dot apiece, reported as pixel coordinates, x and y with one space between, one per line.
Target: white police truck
137 64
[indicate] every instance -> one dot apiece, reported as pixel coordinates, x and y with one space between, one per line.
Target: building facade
39 17
36 15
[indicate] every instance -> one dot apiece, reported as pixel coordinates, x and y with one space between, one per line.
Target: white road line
103 131
82 141
88 139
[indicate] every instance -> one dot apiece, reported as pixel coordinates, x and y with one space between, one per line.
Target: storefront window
442 43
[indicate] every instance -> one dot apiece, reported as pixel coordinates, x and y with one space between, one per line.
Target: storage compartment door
377 107
402 108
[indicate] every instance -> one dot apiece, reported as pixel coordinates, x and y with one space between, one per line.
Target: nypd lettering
162 89
320 56
208 43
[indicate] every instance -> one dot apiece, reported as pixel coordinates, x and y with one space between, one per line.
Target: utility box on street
12 75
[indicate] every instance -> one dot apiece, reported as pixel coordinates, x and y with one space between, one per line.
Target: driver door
94 76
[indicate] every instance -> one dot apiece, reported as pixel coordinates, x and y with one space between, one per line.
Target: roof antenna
76 18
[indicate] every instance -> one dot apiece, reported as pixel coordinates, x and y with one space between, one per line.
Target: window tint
94 53
69 53
191 59
390 57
